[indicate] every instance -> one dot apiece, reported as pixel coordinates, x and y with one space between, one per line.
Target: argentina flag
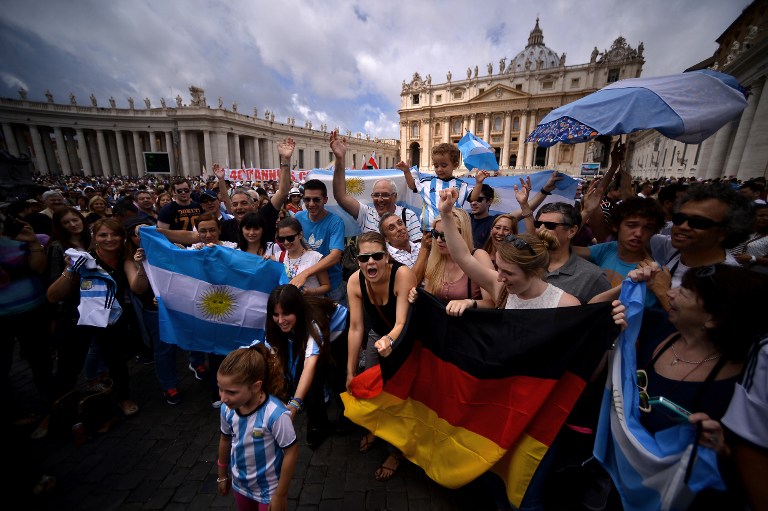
212 300
649 470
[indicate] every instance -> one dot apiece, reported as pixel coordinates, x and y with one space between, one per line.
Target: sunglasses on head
549 225
438 235
289 239
519 243
313 199
383 195
377 256
695 222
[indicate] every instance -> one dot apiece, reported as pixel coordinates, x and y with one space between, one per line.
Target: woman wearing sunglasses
688 365
297 256
522 261
378 292
445 279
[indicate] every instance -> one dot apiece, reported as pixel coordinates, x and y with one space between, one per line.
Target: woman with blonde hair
522 262
444 278
98 208
503 226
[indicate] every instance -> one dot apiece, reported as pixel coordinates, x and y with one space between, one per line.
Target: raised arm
134 270
406 170
591 210
285 150
485 277
420 268
346 201
526 212
480 176
222 182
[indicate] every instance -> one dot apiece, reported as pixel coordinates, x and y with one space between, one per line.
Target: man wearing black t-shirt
181 212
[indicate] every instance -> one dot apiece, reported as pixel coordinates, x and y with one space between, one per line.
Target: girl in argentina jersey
257 448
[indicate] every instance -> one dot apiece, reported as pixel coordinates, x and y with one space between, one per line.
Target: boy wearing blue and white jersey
445 159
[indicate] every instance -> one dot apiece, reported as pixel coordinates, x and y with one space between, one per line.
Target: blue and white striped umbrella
688 107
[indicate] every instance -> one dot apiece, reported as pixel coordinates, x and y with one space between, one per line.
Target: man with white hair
53 200
384 197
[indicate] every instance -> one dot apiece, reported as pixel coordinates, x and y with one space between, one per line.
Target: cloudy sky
338 62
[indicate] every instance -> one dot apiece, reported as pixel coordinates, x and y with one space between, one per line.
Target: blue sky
341 63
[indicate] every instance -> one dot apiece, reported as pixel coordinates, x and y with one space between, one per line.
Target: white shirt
368 220
403 256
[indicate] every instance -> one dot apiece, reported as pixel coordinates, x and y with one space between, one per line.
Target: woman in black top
378 291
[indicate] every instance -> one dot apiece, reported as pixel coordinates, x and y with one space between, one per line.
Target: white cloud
341 63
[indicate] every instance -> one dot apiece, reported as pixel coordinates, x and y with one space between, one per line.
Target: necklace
705 359
292 266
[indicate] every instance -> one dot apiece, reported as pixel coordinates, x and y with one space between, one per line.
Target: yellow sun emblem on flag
217 303
355 186
496 200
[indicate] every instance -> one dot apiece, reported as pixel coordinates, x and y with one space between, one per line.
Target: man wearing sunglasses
566 269
181 212
324 232
709 218
384 197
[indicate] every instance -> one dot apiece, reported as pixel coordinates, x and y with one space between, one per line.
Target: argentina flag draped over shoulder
649 470
212 300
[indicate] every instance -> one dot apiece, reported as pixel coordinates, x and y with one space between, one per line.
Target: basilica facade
502 104
105 140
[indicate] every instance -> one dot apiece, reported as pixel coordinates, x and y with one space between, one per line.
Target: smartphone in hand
678 411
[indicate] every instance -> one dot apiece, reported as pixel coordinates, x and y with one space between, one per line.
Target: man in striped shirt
384 197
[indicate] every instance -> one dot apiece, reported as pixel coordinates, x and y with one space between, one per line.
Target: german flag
485 391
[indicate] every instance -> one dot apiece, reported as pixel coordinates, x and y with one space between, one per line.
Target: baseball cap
207 195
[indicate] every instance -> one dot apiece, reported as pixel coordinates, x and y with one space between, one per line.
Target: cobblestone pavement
164 458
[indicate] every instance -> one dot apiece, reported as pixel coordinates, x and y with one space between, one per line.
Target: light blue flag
212 300
477 153
648 469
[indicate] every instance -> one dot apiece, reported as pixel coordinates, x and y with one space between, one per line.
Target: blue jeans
165 353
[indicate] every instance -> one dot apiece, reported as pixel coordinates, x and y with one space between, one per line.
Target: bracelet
222 479
285 164
297 403
474 303
391 342
66 274
543 191
526 215
219 463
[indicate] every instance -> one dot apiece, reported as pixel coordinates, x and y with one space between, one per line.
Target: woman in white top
522 260
297 257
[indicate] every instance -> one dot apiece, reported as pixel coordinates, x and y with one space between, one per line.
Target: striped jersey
429 188
258 440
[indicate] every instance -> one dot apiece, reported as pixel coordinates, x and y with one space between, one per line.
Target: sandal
129 407
385 472
366 442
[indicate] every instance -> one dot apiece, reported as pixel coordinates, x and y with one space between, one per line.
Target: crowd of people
701 248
